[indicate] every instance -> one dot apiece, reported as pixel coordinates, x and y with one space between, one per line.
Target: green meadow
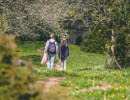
84 71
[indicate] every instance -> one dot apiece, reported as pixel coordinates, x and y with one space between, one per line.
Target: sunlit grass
84 70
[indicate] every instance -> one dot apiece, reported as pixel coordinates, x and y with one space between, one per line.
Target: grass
84 70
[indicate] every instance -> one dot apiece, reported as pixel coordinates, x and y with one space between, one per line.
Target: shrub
15 83
95 42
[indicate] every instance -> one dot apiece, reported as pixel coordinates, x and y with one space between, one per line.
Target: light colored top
47 44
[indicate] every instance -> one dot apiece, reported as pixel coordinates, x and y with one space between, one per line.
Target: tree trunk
112 58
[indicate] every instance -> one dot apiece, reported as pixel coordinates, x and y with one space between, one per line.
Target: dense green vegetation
15 81
35 19
84 70
102 25
109 30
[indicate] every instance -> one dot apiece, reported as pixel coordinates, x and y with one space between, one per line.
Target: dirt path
58 66
103 87
49 83
52 81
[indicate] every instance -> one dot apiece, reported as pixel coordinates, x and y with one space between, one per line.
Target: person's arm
57 51
59 54
68 50
56 46
46 47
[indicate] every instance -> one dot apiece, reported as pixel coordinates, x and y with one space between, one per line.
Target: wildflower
92 80
121 87
123 96
73 93
117 73
90 94
126 87
112 95
91 91
122 77
116 89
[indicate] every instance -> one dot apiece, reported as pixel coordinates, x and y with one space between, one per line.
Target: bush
95 42
15 81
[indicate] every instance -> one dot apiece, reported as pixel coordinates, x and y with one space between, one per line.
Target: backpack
52 47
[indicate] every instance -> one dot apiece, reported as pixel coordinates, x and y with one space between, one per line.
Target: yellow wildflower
116 89
126 87
90 94
121 87
92 80
112 95
123 96
91 91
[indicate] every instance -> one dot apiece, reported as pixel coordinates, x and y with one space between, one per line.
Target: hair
52 35
63 41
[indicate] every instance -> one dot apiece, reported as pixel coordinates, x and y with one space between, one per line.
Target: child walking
63 53
50 49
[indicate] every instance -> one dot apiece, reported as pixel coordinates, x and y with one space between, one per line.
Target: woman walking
63 53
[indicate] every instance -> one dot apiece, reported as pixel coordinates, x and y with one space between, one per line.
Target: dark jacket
63 52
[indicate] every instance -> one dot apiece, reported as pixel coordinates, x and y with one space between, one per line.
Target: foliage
15 83
114 16
96 41
35 19
3 24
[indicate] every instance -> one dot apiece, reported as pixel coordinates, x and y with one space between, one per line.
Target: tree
115 17
3 24
35 19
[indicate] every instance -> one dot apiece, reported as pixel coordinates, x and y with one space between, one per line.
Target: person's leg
64 64
49 62
52 62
